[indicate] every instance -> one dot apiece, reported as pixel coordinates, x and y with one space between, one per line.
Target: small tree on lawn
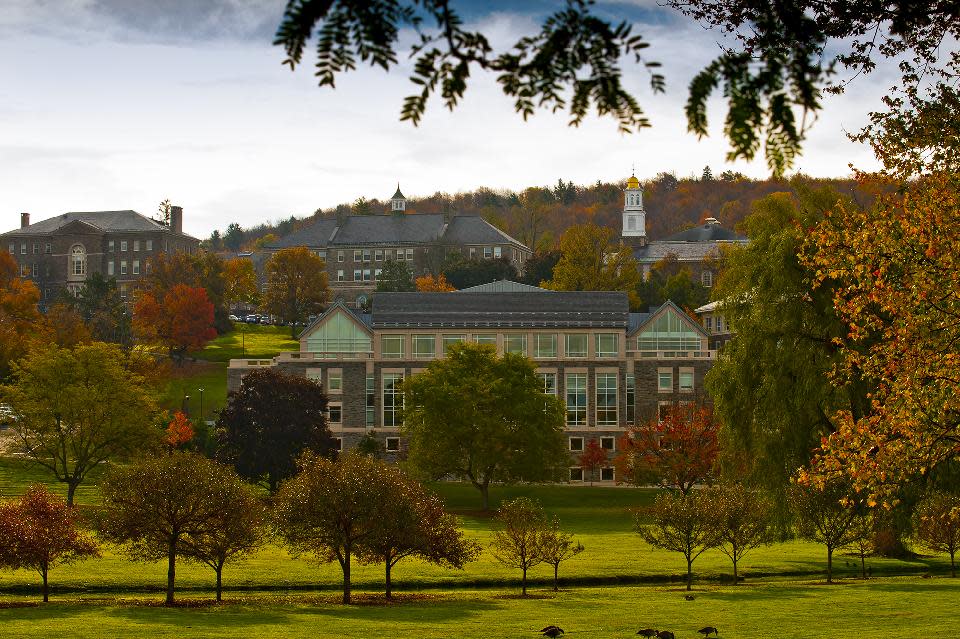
679 523
825 515
412 523
180 321
331 507
155 505
40 531
556 547
937 525
179 431
233 533
592 458
740 521
678 451
864 532
269 422
518 544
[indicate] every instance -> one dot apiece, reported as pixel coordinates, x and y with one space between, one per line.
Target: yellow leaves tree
591 261
20 318
240 282
431 284
296 286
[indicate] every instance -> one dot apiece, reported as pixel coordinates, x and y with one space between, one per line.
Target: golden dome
633 182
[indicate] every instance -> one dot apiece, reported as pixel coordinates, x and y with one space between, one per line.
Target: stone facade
654 359
62 252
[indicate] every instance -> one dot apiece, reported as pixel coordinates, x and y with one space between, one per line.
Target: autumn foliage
431 284
40 531
592 458
179 431
19 316
677 451
181 320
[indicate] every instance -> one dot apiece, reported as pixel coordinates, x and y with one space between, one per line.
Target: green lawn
209 372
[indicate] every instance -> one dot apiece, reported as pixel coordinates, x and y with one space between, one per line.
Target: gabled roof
473 229
706 232
652 317
598 309
338 305
315 235
388 229
106 221
398 195
683 251
502 286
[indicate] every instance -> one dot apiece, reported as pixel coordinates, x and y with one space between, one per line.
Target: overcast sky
117 104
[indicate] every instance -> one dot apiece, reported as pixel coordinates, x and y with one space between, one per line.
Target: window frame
568 352
393 338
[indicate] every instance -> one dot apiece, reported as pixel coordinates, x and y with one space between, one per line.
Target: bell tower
634 229
398 203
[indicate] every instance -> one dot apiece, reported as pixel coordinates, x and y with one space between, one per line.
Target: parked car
233 318
253 319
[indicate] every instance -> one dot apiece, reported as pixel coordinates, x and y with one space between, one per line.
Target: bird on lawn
689 597
706 631
665 634
552 631
647 632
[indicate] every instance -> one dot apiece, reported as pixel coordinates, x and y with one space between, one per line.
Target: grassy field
209 372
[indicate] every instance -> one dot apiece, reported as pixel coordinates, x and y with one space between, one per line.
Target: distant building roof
501 310
709 231
503 286
398 195
107 221
692 245
358 230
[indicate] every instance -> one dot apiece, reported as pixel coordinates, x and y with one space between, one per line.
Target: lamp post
201 403
185 409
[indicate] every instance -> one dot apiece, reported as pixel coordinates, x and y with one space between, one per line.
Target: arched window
78 260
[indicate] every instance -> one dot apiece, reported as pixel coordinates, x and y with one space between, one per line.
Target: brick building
612 367
62 252
355 247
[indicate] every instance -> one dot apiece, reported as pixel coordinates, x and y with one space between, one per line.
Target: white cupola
398 203
634 217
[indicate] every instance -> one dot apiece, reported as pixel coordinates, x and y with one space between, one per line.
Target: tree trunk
829 564
71 490
953 566
524 582
171 570
863 566
485 494
689 574
346 576
389 590
219 582
556 568
736 579
46 590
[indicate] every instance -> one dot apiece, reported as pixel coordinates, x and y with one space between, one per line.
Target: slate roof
692 245
558 309
706 232
502 286
108 221
395 230
636 321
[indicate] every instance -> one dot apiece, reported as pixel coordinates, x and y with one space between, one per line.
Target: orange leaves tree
179 431
899 262
592 458
19 315
677 451
937 525
40 531
181 320
431 284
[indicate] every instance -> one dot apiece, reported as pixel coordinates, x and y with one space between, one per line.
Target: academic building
613 368
62 252
355 247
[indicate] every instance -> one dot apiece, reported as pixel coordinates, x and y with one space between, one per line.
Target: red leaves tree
592 458
19 315
677 451
181 320
40 531
179 431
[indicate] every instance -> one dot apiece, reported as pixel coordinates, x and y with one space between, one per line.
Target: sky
120 104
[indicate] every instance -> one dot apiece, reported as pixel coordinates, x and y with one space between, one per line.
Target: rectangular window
12 249
24 270
708 322
606 474
450 340
706 278
35 270
392 444
663 410
387 254
576 474
497 252
665 380
473 252
576 444
334 413
110 267
424 346
608 443
334 380
549 382
606 399
340 276
378 255
686 380
576 388
123 245
123 267
338 444
366 275
23 249
339 256
485 339
377 273
631 391
400 256
410 255
391 346
370 408
357 255
607 344
487 252
357 275
392 400
366 255
149 245
546 345
517 344
36 249
48 248
136 267
576 345
136 245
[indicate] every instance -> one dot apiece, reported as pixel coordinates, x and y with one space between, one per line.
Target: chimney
176 219
24 220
